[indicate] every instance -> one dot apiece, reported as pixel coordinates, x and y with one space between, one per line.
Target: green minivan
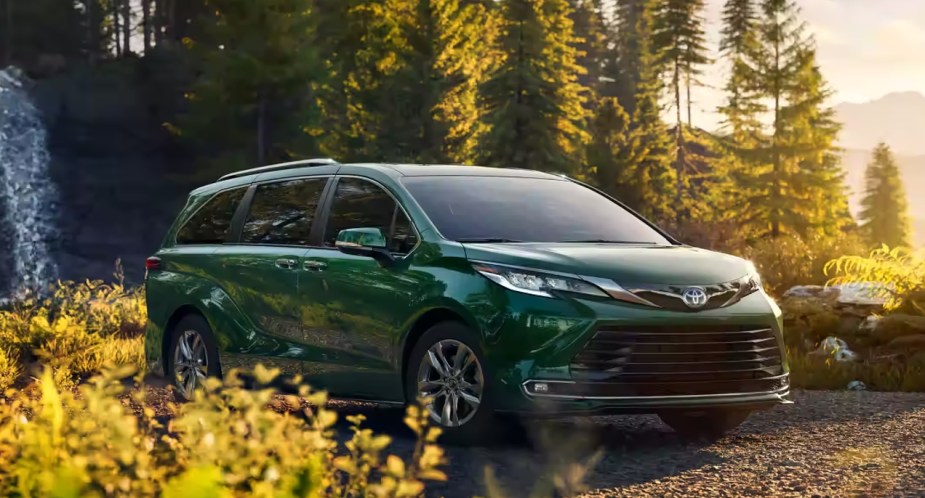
479 290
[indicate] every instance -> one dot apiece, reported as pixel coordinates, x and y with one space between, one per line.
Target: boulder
885 329
812 291
908 344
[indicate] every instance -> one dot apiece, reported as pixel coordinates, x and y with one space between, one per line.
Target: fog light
541 387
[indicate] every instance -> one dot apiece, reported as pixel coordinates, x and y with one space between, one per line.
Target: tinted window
282 213
525 209
362 204
211 223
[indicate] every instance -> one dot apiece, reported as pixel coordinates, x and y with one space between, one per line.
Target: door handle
286 263
311 265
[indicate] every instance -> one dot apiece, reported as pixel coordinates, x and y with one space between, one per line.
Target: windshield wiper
605 241
486 240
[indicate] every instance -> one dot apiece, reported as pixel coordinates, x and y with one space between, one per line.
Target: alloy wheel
451 380
190 362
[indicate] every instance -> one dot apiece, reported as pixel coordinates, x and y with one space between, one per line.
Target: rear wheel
447 368
193 356
704 424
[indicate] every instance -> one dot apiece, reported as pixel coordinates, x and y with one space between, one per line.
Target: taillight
152 263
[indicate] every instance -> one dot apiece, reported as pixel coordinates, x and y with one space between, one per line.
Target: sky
866 48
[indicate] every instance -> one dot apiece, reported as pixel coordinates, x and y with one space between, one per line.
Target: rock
908 343
862 293
856 385
837 349
887 328
815 291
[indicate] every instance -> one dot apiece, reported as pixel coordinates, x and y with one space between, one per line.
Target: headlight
536 283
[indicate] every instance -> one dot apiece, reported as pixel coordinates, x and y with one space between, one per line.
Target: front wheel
446 367
705 424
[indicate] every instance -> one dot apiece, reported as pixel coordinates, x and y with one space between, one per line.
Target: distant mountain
912 169
896 118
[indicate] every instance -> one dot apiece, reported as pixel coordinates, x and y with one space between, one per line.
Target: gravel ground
826 444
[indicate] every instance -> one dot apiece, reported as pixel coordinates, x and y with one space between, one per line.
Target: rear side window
211 223
363 204
282 213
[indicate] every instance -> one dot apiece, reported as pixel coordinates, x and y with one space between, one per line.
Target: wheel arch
423 323
177 315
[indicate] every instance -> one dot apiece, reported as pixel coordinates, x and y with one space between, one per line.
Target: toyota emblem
694 297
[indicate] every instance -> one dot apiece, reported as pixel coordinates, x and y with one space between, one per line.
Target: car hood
622 263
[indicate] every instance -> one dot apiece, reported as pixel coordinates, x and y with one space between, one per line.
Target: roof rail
277 167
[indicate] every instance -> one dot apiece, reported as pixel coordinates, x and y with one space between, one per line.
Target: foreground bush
75 331
100 440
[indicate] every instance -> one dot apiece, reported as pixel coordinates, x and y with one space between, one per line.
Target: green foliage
610 153
884 218
789 261
534 102
101 440
899 271
789 180
76 331
404 78
813 372
252 100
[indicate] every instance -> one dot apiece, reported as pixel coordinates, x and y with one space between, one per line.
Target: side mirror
368 242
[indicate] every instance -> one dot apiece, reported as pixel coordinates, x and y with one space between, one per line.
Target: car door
352 307
262 271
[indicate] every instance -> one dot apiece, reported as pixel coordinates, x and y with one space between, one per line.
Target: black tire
198 325
705 424
481 426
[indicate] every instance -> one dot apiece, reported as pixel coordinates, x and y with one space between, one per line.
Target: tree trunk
775 149
261 128
679 136
690 121
159 16
117 27
8 39
146 25
127 27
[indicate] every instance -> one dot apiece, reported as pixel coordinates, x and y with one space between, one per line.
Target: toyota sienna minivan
479 290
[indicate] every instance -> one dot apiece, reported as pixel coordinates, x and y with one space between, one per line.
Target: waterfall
28 197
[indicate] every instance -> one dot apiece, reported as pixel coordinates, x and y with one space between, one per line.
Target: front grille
679 360
669 296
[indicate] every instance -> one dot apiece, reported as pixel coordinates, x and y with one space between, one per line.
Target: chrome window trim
414 227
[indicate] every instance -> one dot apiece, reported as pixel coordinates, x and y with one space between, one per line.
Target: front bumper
574 399
541 363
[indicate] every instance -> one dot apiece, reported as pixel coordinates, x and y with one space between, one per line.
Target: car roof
458 170
299 168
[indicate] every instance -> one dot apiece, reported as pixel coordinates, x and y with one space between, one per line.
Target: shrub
788 261
224 443
900 271
808 371
76 330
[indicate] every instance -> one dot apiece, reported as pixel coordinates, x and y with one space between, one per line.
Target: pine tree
252 97
533 101
884 218
739 46
791 182
591 41
365 46
611 148
649 184
451 51
633 32
678 45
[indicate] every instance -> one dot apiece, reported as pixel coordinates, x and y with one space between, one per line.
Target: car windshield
510 209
